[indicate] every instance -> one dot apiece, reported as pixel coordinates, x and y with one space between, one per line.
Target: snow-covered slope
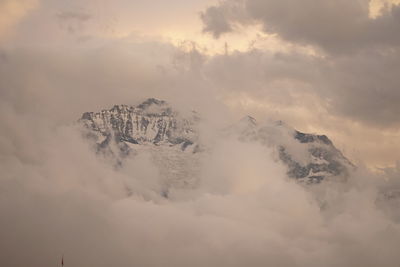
309 157
153 121
154 129
172 139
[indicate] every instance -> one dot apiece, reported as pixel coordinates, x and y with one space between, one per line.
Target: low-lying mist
59 197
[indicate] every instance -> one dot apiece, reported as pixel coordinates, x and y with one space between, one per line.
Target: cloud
341 96
58 197
311 22
73 20
338 82
349 76
74 15
95 75
215 22
307 91
12 12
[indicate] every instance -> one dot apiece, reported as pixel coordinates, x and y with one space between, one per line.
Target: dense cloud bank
58 197
359 55
338 27
354 88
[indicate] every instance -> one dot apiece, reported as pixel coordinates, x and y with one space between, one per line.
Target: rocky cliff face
326 159
153 122
152 128
156 126
309 157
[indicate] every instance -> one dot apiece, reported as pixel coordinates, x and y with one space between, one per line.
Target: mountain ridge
122 129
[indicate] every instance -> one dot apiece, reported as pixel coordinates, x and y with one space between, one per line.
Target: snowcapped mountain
173 141
153 122
152 128
309 157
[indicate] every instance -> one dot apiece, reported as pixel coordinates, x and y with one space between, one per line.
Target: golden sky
165 21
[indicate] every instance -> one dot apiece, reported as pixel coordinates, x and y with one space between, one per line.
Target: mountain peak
152 121
120 108
248 120
151 101
154 124
155 107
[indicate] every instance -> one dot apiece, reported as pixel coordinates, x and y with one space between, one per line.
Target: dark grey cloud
335 26
215 20
357 77
363 87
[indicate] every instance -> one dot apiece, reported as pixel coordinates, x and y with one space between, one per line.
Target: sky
322 66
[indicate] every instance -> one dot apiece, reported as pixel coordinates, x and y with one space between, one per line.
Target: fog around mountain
60 196
234 202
